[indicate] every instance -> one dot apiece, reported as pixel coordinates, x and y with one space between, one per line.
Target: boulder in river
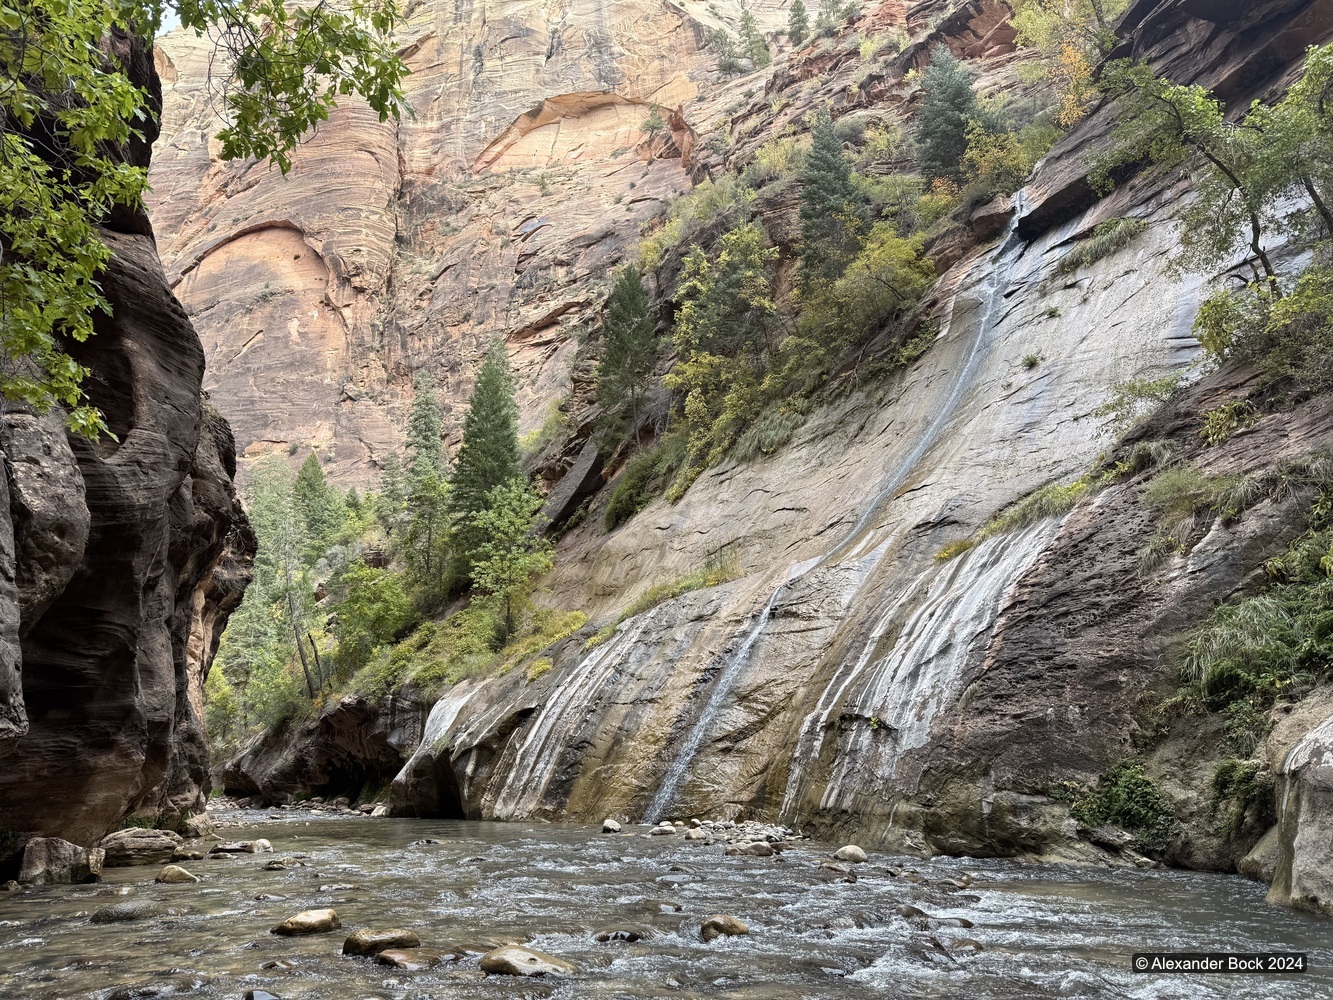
260 846
137 846
752 849
722 925
665 830
851 854
515 960
630 934
308 922
610 826
367 941
52 861
131 909
175 875
415 959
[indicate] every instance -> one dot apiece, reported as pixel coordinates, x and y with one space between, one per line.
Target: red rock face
127 557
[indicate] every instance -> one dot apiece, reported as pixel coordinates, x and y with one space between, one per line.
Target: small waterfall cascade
894 696
570 704
993 296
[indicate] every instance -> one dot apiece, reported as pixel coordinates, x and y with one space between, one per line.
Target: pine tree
424 428
320 508
629 350
831 214
511 551
752 44
798 23
944 115
722 44
489 455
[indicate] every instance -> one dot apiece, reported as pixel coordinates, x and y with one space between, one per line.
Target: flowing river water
1035 930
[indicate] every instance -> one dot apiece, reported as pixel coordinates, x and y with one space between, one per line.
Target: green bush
1248 786
1110 237
1126 797
1050 500
636 488
714 574
773 429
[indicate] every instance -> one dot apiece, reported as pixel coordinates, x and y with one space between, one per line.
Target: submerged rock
515 960
52 861
137 846
132 909
308 922
175 875
365 941
415 959
722 925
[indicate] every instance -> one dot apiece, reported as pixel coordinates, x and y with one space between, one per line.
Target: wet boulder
722 925
628 934
610 826
752 849
663 830
515 960
851 854
308 922
175 875
367 941
52 861
137 846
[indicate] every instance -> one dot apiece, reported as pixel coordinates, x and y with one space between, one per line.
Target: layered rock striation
120 560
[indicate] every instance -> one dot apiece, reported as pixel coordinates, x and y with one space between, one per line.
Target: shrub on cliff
942 121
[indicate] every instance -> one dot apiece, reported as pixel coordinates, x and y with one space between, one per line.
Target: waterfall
896 696
997 284
568 706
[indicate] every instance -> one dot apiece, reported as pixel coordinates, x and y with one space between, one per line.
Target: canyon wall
120 560
850 681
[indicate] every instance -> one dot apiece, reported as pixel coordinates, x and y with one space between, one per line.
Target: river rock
137 846
131 909
175 875
696 834
415 959
308 922
722 925
752 849
629 934
366 941
261 995
851 854
665 830
610 826
52 861
260 846
515 960
1261 863
187 854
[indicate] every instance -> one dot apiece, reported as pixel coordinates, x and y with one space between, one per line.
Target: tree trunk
1319 205
319 665
300 645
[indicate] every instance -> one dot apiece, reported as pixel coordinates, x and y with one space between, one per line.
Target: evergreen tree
511 550
831 214
392 500
424 428
629 350
798 23
320 508
722 44
828 18
944 115
752 44
489 455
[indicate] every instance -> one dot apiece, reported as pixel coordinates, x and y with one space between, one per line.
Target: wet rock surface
368 941
308 922
50 860
514 960
134 846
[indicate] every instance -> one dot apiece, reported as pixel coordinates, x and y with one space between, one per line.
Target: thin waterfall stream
997 285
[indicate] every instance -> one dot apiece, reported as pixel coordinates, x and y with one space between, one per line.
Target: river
1035 930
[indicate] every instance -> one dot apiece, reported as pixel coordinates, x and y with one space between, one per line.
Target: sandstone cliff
119 563
850 681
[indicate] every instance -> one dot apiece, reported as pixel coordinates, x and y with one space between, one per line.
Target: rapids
1045 930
